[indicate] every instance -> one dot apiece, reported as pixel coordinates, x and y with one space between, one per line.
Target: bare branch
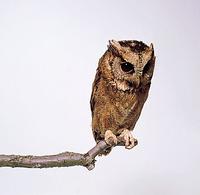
65 159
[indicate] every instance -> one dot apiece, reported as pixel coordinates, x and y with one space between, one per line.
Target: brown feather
116 101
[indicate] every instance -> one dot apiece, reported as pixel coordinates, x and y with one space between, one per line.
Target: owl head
128 65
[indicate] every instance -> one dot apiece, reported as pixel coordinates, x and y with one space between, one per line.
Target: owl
119 91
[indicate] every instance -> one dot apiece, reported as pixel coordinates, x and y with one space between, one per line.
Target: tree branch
65 159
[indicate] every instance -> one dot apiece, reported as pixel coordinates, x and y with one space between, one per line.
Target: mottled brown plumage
120 90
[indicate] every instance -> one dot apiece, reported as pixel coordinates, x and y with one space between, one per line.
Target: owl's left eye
127 67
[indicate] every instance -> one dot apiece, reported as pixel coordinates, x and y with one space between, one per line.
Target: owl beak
136 82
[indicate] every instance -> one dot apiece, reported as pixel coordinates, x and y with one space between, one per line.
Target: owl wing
94 90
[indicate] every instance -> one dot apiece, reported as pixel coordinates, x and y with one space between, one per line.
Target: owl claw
128 139
110 138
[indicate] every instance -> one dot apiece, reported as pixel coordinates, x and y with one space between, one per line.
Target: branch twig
64 159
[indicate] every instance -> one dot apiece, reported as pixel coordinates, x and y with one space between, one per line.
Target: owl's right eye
127 67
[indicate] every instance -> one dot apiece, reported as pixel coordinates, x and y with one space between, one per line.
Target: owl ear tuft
115 44
151 47
114 47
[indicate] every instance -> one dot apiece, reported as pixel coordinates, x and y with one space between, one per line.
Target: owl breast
116 109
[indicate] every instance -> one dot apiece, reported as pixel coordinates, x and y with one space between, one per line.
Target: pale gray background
49 52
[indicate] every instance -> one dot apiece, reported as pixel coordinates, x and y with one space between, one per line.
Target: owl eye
127 67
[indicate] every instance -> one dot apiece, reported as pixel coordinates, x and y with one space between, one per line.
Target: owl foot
110 138
128 139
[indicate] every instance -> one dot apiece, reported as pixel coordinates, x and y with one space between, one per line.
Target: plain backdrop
49 52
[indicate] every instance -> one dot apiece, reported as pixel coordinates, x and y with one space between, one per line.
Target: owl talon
110 138
128 139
